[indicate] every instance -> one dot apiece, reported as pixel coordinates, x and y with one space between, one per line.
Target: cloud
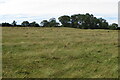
3 1
104 8
36 7
23 17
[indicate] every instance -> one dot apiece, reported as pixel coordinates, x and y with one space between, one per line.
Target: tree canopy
82 21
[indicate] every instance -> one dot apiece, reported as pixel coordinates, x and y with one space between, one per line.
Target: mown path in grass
59 53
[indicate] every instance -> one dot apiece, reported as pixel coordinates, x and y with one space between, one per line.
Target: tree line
82 21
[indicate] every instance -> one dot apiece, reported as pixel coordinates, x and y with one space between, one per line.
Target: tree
53 23
87 21
95 23
25 24
103 24
14 23
5 24
34 24
75 21
65 21
113 26
83 21
45 23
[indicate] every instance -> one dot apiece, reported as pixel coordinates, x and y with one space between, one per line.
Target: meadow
59 53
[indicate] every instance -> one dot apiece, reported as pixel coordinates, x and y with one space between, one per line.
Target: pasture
59 53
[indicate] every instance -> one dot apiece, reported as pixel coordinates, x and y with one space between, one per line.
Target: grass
59 53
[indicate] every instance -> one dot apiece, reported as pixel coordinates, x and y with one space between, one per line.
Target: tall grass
59 53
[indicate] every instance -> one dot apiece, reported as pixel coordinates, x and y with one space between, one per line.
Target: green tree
14 23
25 24
53 23
103 24
5 24
87 21
65 20
45 23
75 21
34 24
113 26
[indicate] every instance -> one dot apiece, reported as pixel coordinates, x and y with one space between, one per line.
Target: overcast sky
37 10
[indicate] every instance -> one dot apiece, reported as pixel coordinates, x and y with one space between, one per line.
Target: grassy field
59 53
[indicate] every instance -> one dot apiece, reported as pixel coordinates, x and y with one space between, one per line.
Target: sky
38 10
